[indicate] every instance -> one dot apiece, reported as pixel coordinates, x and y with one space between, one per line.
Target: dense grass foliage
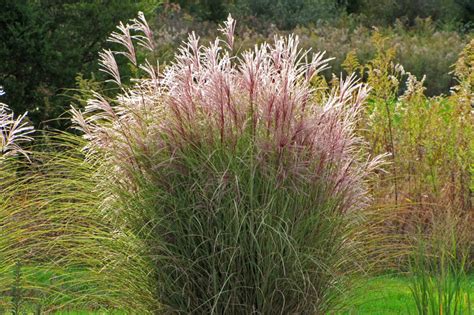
244 181
439 284
57 251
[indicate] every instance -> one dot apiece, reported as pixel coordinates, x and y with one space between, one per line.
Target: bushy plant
421 49
40 60
287 14
385 12
245 183
429 138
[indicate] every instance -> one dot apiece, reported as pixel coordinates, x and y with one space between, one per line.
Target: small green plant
438 273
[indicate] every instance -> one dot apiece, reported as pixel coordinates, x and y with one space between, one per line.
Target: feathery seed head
13 131
208 94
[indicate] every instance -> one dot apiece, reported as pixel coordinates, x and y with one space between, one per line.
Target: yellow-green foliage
57 250
464 96
430 139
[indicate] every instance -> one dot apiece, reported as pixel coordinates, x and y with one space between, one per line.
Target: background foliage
46 44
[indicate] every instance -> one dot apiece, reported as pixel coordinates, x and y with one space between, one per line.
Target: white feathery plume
124 38
108 64
141 25
13 131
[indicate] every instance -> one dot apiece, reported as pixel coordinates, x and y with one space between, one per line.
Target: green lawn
384 295
389 295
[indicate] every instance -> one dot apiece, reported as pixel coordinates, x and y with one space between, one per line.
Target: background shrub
386 12
45 44
422 48
430 141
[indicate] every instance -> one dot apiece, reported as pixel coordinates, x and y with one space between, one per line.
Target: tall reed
438 267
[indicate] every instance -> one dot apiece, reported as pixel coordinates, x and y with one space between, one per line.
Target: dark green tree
287 14
385 12
45 43
210 10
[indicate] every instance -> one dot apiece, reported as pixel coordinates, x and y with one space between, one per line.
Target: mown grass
389 294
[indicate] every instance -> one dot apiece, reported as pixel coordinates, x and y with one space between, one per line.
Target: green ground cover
389 295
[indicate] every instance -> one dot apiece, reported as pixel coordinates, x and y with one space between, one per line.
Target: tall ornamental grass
57 251
245 183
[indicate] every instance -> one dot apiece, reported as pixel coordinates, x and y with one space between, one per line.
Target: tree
45 43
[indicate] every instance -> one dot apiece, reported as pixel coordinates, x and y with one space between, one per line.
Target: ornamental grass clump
57 251
246 183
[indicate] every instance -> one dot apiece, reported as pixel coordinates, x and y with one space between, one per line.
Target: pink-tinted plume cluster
211 95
